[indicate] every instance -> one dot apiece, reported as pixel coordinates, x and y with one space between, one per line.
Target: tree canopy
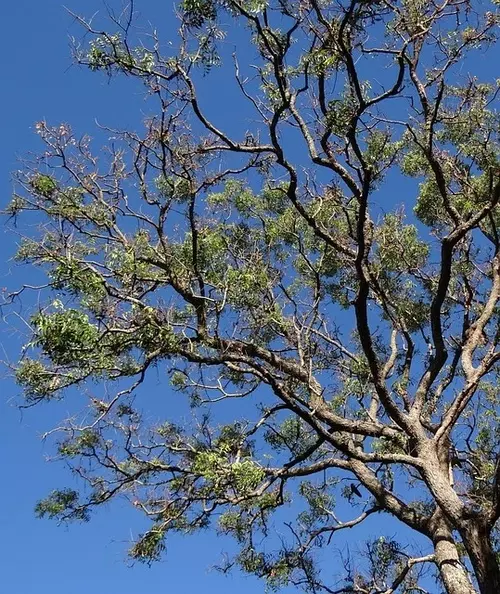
323 287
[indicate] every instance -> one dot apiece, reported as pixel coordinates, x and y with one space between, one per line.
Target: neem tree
277 268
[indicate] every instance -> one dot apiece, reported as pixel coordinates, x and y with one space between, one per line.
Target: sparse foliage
334 273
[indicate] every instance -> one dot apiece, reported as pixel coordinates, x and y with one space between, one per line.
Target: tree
349 313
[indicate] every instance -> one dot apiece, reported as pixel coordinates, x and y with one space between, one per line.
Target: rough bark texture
454 575
477 542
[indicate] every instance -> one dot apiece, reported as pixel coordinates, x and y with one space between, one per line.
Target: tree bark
454 575
477 541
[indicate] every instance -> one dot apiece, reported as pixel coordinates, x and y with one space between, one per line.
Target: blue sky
38 556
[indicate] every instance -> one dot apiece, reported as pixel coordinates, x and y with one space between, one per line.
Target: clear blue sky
37 556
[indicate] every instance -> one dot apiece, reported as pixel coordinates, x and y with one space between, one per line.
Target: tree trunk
454 575
477 542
